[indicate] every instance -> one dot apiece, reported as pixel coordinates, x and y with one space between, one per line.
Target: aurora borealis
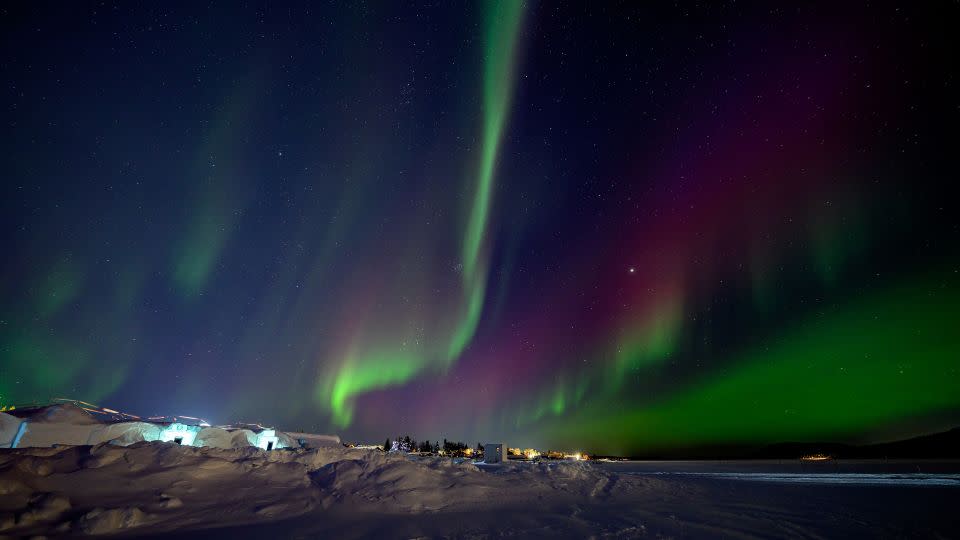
386 368
619 227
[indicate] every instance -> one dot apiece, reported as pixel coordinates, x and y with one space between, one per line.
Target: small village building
494 453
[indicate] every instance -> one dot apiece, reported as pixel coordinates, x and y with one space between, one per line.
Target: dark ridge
943 445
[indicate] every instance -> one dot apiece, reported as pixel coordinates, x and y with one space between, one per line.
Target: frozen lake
693 499
835 472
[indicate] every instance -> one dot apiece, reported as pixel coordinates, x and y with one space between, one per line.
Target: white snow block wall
267 440
46 434
214 437
286 441
180 434
494 453
9 426
127 433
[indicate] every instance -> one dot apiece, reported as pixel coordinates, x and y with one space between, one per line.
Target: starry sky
615 226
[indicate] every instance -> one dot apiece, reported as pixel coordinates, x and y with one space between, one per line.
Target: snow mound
332 492
161 487
395 483
101 521
61 413
216 437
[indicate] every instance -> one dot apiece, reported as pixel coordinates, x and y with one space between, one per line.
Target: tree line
408 444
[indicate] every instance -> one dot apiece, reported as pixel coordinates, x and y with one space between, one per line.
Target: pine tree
386 445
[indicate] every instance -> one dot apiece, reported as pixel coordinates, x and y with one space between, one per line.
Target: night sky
615 226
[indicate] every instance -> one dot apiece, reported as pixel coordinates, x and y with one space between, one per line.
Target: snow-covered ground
157 488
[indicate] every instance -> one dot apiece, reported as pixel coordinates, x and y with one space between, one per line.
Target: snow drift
158 487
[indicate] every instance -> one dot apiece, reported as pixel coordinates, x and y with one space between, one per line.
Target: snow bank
216 437
332 492
159 487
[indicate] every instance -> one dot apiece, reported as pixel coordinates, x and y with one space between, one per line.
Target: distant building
494 452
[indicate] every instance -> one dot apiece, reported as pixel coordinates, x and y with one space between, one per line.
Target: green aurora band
362 373
502 31
839 373
632 241
217 195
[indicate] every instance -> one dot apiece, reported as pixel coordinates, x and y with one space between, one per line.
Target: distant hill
945 445
935 445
